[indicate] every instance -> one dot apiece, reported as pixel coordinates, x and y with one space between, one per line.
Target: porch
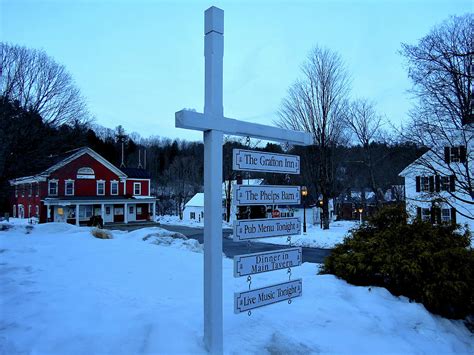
80 211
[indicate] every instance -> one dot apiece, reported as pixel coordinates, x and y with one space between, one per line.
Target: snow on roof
196 201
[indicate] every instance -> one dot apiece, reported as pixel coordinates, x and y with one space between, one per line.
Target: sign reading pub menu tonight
250 160
247 229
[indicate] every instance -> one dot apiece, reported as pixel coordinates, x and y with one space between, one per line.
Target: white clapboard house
436 188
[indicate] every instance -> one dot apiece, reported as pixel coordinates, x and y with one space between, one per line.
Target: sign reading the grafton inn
250 160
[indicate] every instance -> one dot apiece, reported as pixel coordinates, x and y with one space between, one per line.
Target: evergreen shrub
431 264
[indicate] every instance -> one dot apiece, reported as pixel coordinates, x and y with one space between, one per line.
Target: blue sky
137 62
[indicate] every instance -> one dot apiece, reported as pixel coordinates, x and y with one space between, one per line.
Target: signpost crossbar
200 122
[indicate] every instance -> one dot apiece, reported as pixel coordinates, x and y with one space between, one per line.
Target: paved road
231 248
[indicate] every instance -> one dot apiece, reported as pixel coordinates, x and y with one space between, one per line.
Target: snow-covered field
175 221
316 237
63 291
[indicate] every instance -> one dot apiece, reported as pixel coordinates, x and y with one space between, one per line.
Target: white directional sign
250 160
246 229
259 297
267 195
256 263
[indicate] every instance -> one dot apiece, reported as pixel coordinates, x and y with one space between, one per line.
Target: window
426 214
69 188
23 190
425 183
139 210
454 154
137 188
445 215
118 211
114 187
192 215
53 187
85 212
445 183
30 192
131 210
37 189
85 173
16 191
107 210
29 211
100 187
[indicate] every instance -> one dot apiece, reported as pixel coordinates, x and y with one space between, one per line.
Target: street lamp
304 193
321 213
360 210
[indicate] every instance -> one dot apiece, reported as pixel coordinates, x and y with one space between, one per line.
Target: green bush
430 264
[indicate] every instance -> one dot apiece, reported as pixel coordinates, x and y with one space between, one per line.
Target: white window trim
30 191
97 187
140 188
54 181
111 190
65 187
37 189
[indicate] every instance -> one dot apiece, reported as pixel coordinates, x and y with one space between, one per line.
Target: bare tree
316 104
41 85
440 66
365 124
181 176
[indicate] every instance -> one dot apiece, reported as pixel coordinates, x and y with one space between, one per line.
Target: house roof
196 201
137 173
54 162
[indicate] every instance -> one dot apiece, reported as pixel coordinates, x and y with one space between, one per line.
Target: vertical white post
102 212
77 214
153 209
213 107
125 212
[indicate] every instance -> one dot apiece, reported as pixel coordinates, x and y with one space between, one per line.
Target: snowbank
66 292
175 221
316 237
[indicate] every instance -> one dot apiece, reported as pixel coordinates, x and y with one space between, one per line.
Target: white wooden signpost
267 195
259 297
250 264
250 160
213 124
247 229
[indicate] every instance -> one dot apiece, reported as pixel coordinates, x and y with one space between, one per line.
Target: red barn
80 184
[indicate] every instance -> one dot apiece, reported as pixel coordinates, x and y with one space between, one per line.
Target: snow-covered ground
316 237
175 221
63 291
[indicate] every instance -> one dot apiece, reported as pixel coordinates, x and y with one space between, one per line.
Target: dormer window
100 187
53 187
137 188
69 188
